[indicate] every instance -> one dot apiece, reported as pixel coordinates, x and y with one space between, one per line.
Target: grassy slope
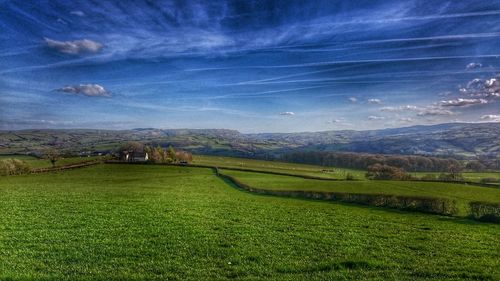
309 170
44 163
274 166
131 222
462 193
472 176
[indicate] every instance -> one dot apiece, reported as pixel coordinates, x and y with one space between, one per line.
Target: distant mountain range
465 140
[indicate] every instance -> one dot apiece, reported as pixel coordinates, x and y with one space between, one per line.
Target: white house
135 156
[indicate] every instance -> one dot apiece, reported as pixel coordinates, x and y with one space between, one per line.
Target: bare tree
52 155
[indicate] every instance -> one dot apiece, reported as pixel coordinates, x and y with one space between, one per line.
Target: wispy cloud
77 13
287 113
89 90
435 111
399 108
372 117
224 58
462 102
75 47
405 119
374 101
474 65
491 117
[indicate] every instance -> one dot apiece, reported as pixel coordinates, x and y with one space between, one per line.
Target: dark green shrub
349 177
489 180
485 211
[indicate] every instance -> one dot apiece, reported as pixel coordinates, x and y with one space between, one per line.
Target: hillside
151 222
453 139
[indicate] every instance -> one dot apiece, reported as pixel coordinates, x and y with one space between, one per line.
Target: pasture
276 166
312 170
462 193
147 222
35 162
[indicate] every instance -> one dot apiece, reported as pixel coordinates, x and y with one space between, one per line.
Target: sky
252 66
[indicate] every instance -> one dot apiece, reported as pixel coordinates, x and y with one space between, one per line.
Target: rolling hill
464 140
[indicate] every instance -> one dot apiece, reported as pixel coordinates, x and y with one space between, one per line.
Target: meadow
35 162
276 166
311 170
148 222
462 193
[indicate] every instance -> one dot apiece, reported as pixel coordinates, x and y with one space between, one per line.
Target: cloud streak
89 90
75 47
462 102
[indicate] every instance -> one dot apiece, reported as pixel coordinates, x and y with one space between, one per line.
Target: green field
146 222
275 166
470 176
462 193
44 163
311 170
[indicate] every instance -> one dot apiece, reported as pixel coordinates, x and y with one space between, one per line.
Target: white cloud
287 113
491 117
375 118
434 111
462 102
479 88
374 101
399 108
473 65
405 119
74 47
89 90
353 99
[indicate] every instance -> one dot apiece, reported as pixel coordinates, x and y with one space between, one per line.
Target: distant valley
462 140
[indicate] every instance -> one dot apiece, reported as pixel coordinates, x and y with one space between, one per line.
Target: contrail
326 63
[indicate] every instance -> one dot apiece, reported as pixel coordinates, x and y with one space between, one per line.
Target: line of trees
483 164
160 155
386 172
364 160
156 154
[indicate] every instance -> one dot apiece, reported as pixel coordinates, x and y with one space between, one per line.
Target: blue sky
254 66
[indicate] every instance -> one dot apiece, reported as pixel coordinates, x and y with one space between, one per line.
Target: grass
311 170
460 192
470 176
144 222
275 166
44 163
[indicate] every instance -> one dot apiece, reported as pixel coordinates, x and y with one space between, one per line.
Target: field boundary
432 205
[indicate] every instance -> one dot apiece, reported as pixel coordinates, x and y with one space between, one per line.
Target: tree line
409 163
156 154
